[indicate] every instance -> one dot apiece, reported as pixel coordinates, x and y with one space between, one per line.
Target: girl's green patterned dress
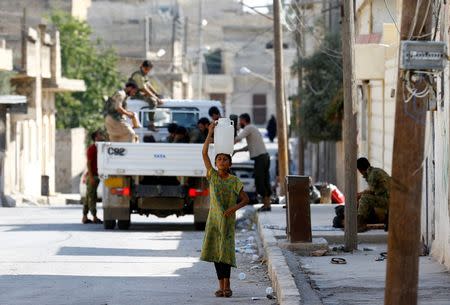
219 243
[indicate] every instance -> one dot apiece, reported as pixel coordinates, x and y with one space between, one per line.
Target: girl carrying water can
226 197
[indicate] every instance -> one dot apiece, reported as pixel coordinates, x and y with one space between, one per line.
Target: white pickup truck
156 178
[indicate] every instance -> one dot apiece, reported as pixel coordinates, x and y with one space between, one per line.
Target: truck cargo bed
151 159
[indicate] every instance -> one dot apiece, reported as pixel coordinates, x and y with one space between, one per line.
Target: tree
5 82
322 95
90 61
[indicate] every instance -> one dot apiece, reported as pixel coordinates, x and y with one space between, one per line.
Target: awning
64 85
13 99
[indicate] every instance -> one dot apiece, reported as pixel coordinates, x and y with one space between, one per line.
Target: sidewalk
321 219
317 281
57 199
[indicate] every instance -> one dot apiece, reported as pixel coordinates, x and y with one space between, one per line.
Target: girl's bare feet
227 293
227 290
219 293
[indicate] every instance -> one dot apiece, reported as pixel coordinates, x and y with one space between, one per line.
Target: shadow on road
100 290
78 227
93 251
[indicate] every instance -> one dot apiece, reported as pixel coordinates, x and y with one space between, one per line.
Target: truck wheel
109 224
200 226
123 224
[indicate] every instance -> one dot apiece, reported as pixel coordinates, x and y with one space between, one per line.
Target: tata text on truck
156 178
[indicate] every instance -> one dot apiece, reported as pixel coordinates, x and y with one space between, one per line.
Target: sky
257 3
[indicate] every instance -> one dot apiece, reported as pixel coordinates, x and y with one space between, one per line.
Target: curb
279 272
367 237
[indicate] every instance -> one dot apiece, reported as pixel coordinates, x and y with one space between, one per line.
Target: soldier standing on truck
146 91
115 112
92 180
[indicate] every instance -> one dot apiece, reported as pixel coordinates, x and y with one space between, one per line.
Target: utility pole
3 201
299 40
406 191
349 126
200 50
24 33
283 159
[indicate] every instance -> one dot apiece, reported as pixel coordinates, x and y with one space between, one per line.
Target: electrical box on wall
423 55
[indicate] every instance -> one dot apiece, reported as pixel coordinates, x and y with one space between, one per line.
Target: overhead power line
255 10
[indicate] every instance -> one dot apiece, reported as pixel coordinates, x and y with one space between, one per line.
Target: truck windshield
187 116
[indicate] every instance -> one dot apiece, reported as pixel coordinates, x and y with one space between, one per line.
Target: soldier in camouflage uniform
115 111
146 91
374 202
92 180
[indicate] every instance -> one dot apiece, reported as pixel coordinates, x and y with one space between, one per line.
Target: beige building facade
140 30
376 57
167 32
30 145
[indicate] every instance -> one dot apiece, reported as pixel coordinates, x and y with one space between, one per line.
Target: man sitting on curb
373 203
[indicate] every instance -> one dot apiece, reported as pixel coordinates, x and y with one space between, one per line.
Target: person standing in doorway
92 180
272 128
258 153
225 190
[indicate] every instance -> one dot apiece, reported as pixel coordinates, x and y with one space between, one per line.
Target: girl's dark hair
229 158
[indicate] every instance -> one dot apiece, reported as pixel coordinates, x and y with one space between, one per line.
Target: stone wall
70 159
37 11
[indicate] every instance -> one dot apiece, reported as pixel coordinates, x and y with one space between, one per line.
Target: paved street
48 257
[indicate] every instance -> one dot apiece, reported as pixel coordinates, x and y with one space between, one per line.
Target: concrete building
230 39
6 103
436 199
238 64
140 30
323 161
376 52
30 144
13 14
376 68
70 159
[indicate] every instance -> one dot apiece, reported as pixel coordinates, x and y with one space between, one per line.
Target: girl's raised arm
208 140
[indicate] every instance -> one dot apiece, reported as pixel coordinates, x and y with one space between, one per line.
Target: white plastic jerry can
224 137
